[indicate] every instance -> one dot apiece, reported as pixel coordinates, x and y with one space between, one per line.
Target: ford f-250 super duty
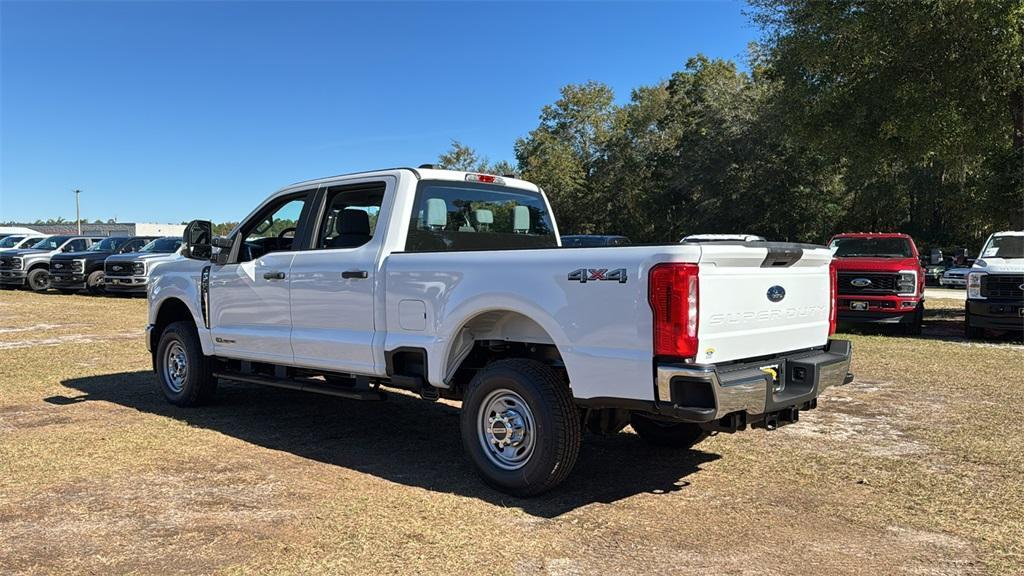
129 273
31 266
75 271
995 286
454 285
879 279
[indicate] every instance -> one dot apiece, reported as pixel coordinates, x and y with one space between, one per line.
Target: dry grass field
914 468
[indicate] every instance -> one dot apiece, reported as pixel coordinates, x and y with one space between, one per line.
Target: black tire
555 430
94 282
38 280
913 328
669 434
197 385
972 332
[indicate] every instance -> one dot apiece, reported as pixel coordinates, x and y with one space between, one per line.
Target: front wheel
94 283
972 332
520 426
39 280
670 434
186 375
913 328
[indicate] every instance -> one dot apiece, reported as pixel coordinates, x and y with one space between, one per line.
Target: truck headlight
906 282
138 268
16 263
974 285
78 266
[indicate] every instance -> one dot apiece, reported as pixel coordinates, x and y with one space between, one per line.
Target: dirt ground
914 468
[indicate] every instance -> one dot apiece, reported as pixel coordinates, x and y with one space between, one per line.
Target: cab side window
350 217
76 245
132 246
273 229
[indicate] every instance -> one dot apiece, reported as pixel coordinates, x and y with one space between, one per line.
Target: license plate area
859 305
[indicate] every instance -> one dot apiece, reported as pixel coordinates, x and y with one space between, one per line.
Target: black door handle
273 275
354 274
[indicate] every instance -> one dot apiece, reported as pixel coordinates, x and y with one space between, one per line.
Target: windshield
162 245
1004 247
107 244
476 216
50 243
873 247
10 241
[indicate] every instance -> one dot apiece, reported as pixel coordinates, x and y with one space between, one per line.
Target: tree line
853 116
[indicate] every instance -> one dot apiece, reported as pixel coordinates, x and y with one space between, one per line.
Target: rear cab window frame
417 239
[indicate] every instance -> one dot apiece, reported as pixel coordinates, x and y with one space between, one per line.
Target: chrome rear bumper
695 393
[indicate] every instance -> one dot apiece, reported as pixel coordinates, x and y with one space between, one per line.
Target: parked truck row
70 264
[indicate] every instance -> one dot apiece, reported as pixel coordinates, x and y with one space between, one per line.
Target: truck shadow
944 324
403 440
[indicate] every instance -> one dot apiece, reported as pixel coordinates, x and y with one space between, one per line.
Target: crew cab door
250 315
332 283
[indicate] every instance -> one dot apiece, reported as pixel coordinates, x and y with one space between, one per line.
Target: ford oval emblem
861 282
776 293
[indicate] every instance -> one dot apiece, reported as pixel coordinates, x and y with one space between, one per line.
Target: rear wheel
520 426
186 375
94 283
39 280
670 434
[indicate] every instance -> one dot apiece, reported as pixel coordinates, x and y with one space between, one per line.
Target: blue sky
171 111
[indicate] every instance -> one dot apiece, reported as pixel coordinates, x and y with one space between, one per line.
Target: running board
304 386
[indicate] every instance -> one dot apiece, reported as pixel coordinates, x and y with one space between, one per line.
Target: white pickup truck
454 285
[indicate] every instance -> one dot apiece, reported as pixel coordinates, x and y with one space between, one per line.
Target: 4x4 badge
584 275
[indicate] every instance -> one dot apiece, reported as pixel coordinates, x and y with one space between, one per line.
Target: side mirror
197 240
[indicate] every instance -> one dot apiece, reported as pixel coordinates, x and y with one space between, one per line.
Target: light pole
78 213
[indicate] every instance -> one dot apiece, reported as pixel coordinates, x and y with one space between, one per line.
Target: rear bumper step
772 390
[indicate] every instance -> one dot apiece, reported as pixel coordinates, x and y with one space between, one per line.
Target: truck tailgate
762 299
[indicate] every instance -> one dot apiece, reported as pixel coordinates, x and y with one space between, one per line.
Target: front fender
180 281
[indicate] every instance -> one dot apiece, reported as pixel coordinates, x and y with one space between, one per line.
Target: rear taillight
673 294
833 305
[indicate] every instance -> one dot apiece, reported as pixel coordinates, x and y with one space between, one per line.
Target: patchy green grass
914 468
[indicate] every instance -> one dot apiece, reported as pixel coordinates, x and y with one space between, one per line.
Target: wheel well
496 335
172 310
37 265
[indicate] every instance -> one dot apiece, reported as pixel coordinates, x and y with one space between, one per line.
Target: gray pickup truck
31 266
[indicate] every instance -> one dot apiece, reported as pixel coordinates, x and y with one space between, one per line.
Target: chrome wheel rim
506 429
175 367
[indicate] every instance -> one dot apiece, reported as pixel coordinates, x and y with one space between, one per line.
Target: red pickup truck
879 279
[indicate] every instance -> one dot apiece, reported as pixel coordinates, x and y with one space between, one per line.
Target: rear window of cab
451 216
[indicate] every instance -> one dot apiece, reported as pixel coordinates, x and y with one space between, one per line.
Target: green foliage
463 158
884 115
